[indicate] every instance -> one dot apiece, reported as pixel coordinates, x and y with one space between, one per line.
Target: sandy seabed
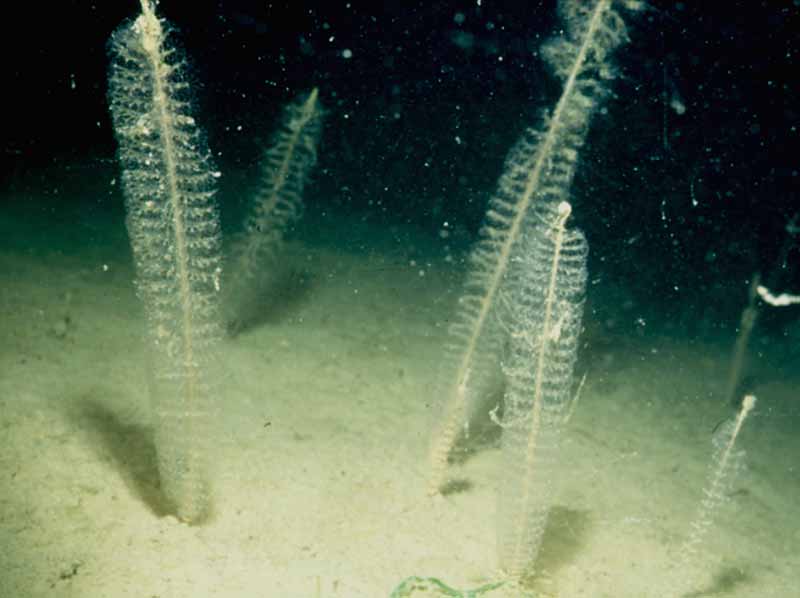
320 447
